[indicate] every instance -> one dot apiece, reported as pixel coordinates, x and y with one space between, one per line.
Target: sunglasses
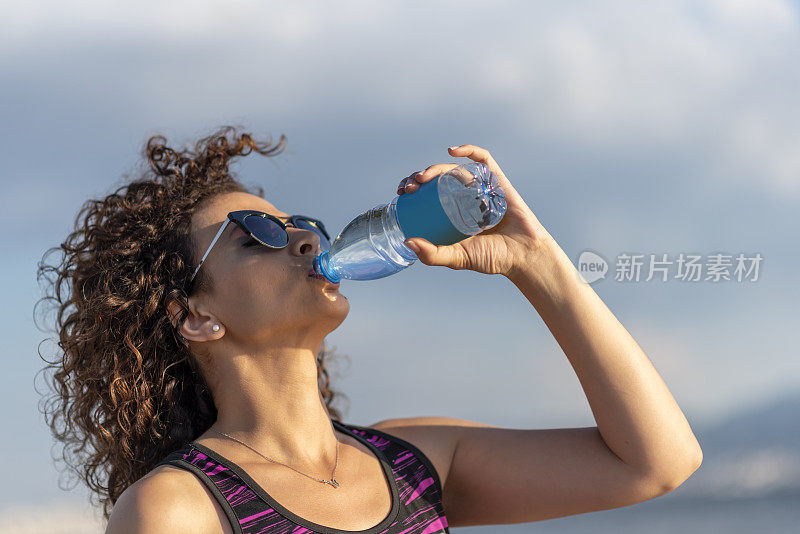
268 230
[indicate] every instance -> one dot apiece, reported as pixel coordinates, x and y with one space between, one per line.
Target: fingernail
412 246
454 147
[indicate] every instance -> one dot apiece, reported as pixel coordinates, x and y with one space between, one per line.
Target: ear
198 325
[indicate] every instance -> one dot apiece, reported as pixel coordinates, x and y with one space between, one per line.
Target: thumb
430 254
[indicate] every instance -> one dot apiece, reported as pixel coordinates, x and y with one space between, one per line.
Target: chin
341 301
334 297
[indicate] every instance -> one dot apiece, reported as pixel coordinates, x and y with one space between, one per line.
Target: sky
664 127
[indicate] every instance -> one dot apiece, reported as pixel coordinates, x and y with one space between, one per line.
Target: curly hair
125 389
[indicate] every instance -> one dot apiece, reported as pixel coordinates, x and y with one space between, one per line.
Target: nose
303 241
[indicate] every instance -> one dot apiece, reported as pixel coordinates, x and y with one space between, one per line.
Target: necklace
332 481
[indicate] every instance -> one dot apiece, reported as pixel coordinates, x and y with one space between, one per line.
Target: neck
272 402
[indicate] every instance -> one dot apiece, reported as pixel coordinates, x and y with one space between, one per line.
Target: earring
215 328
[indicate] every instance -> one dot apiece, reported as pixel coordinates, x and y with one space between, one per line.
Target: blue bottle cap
321 266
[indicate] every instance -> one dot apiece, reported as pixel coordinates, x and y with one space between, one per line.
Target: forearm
635 413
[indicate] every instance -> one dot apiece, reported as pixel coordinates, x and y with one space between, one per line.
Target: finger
427 175
430 254
476 153
405 181
433 171
401 186
482 155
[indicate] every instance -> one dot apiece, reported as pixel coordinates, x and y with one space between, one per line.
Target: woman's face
259 294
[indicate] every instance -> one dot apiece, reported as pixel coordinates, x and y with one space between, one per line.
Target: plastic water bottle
455 205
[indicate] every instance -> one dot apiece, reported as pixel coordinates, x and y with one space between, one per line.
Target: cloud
715 77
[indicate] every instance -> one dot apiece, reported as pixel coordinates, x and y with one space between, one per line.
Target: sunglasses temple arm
219 233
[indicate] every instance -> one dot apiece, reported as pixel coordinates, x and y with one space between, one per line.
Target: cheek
264 297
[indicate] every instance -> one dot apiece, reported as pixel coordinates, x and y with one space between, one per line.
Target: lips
311 274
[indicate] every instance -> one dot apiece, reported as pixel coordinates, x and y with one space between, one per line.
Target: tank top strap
189 459
418 482
175 455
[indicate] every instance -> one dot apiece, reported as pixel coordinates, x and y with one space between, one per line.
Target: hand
498 250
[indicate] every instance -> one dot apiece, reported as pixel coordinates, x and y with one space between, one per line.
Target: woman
193 370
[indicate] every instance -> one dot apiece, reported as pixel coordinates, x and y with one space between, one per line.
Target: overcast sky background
628 127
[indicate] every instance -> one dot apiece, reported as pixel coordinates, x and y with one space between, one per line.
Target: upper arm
508 475
157 504
505 475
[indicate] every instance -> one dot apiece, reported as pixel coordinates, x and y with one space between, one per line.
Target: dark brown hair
125 389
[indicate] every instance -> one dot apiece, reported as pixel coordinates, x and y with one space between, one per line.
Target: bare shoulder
167 499
437 437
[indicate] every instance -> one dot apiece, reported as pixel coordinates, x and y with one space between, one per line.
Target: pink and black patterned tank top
416 489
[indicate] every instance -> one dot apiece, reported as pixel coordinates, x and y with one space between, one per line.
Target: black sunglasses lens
311 225
267 230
